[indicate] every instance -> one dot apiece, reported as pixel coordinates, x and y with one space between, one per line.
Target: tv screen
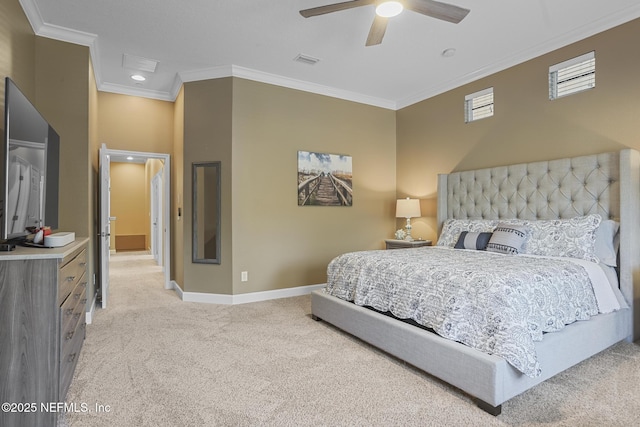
30 164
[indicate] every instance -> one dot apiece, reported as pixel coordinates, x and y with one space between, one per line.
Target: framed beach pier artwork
324 179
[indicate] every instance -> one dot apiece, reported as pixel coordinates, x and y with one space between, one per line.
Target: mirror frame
194 225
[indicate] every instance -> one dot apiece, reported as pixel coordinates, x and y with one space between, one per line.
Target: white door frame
105 223
156 217
166 208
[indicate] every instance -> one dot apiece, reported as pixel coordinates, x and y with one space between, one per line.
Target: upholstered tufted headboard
607 184
542 190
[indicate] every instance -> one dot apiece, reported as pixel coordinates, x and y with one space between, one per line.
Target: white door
156 218
105 228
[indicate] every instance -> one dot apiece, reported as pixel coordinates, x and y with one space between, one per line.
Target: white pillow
607 242
572 237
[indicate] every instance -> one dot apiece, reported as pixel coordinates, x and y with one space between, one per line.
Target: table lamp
408 208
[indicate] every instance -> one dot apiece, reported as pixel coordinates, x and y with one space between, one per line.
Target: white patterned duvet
498 304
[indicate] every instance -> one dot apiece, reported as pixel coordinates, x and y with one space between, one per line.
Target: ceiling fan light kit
389 9
386 9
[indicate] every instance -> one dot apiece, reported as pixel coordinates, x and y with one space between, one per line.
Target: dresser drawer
69 354
74 327
70 274
73 308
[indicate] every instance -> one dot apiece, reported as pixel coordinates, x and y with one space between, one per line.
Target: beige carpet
158 361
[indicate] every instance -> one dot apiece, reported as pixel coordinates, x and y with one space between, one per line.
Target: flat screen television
29 170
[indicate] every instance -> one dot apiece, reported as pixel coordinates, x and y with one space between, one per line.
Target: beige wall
63 88
62 74
17 50
208 137
128 198
255 130
135 124
526 126
177 192
279 243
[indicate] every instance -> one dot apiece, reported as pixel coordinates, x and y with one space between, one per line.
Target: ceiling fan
386 9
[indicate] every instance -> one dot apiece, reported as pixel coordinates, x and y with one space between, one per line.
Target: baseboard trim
92 310
243 298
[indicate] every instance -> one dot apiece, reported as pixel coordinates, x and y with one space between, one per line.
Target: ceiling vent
305 59
138 63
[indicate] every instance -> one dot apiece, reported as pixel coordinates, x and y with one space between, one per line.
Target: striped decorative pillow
508 239
473 240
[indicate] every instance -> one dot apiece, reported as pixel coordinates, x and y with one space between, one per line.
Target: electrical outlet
244 276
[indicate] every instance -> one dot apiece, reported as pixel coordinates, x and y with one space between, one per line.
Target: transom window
572 76
478 105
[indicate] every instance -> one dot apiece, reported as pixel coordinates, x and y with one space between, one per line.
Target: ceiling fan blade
436 9
321 10
376 33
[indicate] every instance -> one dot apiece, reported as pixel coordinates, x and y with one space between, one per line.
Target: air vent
138 63
305 59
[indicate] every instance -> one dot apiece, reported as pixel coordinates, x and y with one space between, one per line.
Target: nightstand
403 244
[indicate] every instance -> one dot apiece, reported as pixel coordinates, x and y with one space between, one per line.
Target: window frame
589 77
469 109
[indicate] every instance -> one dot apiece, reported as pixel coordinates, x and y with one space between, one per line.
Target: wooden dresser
42 328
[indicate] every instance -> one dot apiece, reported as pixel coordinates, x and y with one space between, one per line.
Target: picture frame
324 179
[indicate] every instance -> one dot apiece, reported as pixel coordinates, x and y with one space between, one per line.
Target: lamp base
408 237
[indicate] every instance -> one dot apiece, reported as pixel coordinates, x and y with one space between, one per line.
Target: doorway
160 194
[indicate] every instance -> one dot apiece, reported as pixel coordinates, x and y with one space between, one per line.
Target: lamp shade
407 208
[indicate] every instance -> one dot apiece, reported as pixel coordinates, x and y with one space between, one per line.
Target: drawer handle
77 316
84 301
82 264
72 357
70 335
69 311
76 296
71 278
83 284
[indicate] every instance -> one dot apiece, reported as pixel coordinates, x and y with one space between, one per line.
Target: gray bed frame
608 184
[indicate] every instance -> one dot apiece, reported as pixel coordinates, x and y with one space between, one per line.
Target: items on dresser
57 240
42 328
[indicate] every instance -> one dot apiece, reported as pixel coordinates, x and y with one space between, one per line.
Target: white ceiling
259 39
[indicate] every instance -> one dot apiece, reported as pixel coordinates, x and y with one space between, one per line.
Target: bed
603 185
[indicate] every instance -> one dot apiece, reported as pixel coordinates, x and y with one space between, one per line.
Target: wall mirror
206 212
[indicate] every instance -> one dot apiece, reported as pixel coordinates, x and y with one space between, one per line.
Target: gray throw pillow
473 240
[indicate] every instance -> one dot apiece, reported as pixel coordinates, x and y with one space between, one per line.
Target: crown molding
91 40
606 23
134 91
56 32
276 80
33 14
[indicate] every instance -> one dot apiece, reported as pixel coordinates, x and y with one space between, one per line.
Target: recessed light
138 77
389 9
448 53
129 158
